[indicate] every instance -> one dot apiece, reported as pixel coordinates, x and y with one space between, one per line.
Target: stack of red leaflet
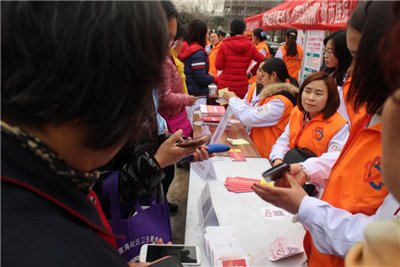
240 184
211 120
212 111
212 115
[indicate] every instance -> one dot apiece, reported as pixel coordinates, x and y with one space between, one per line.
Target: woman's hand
192 100
298 174
296 170
168 154
201 155
144 264
288 199
277 162
228 95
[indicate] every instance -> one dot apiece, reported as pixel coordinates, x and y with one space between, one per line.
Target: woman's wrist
306 172
276 161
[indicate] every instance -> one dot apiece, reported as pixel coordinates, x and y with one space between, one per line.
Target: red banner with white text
305 15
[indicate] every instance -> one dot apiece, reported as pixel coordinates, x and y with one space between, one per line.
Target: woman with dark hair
314 124
270 110
259 38
194 55
338 59
221 35
291 53
233 59
381 243
64 119
215 41
172 101
355 194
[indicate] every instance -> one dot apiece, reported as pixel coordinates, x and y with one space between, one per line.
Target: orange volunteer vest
293 64
349 107
212 58
317 133
250 94
264 138
260 46
355 183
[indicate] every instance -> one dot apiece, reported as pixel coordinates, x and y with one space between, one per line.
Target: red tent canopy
305 15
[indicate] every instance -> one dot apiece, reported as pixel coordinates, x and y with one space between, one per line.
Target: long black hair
291 45
342 53
368 87
279 67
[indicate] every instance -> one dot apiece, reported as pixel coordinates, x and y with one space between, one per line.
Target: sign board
222 126
313 55
207 215
204 169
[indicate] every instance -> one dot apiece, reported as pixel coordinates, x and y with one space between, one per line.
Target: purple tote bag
145 227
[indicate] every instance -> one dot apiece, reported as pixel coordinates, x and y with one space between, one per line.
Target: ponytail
293 81
260 34
291 45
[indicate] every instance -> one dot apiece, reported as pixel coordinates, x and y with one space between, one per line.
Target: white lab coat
335 231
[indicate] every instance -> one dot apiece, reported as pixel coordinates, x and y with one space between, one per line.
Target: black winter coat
37 232
140 175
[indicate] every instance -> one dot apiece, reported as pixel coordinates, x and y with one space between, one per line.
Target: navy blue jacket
196 69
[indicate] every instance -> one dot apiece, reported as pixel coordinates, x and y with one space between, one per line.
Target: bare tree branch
200 9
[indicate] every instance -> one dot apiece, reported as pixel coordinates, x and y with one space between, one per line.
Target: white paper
222 126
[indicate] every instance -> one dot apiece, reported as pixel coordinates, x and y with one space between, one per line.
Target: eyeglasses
328 52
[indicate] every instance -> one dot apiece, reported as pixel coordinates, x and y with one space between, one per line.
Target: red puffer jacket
234 57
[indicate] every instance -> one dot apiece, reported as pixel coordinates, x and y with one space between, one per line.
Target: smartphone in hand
276 172
186 254
194 142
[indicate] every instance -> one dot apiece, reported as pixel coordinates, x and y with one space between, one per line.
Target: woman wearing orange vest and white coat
355 194
338 60
291 53
259 40
270 111
315 124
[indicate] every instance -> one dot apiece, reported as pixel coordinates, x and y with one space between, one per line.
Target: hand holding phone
276 172
170 153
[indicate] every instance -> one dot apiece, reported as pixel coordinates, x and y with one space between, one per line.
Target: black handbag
298 154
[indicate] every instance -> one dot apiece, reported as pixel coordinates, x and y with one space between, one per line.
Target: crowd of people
84 95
